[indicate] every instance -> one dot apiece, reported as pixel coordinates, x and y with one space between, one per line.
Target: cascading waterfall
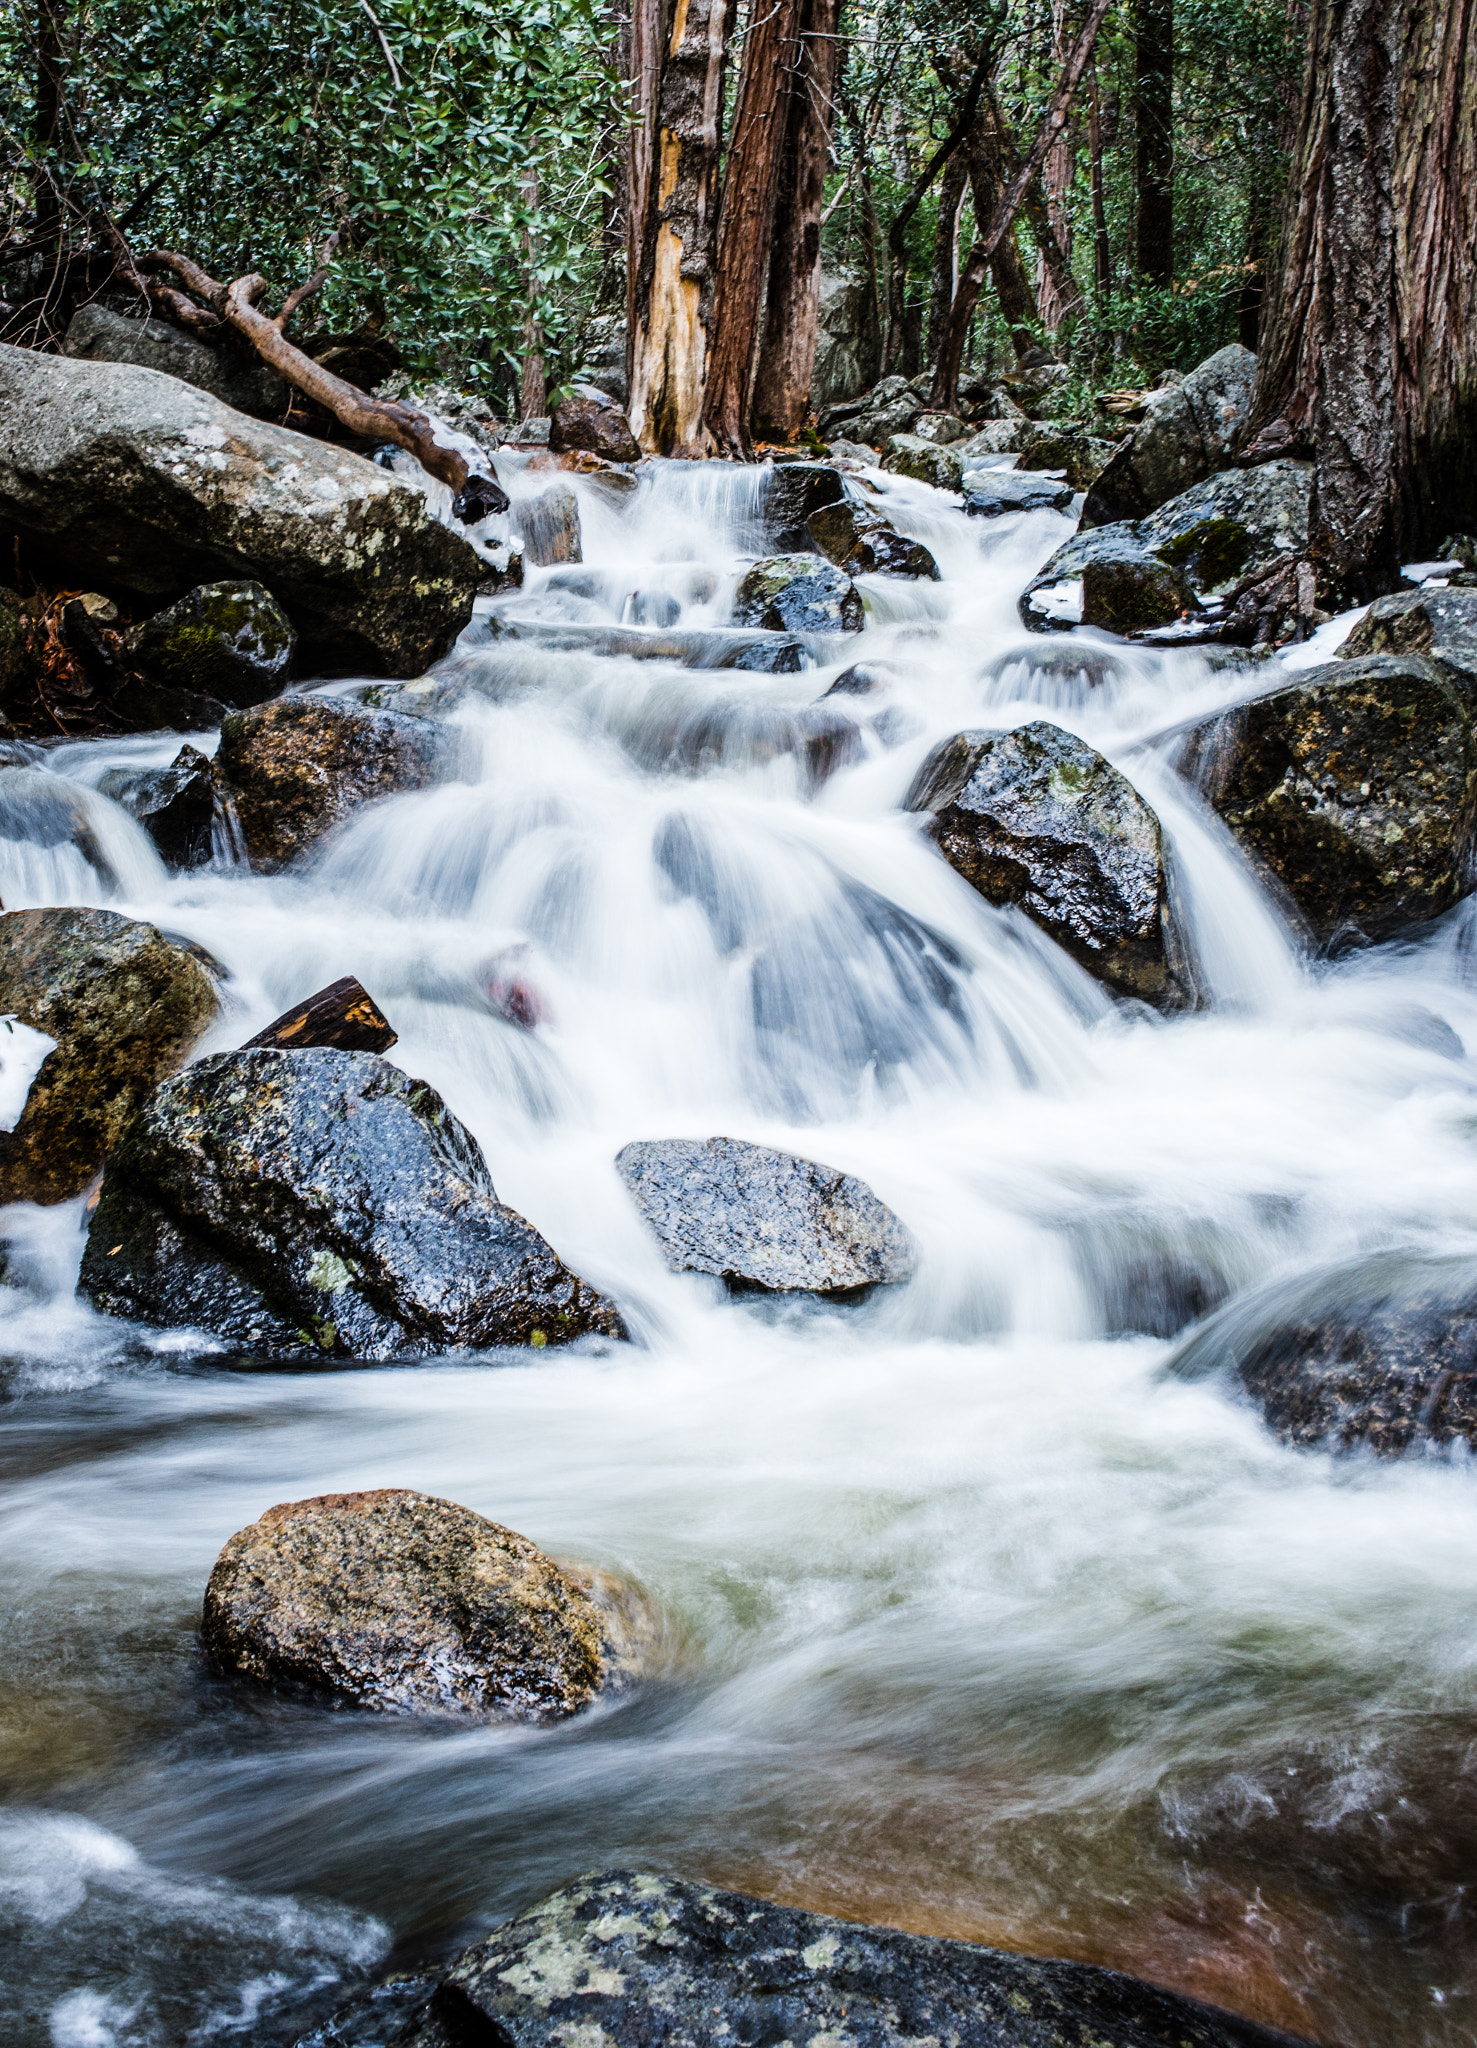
984 1614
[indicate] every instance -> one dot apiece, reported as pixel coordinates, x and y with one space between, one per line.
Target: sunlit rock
762 1219
124 1004
798 594
1354 786
322 1202
398 1601
595 422
1038 819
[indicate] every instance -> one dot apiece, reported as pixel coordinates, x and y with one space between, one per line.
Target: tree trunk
672 301
1153 28
1102 255
51 17
1055 260
533 396
946 246
1369 350
1056 178
643 35
792 312
987 177
750 187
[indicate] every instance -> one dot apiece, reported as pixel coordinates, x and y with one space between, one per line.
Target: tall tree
678 101
1153 64
792 306
1369 351
1056 177
945 273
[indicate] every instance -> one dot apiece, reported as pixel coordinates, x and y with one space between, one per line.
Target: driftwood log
386 419
343 1015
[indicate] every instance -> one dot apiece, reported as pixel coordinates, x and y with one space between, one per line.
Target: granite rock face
124 1004
322 1201
629 1960
764 1220
124 479
1356 787
1441 624
175 806
863 543
296 768
230 641
401 1602
990 492
236 376
798 594
796 490
1188 435
1038 819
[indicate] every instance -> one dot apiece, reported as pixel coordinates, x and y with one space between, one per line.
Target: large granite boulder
128 480
792 493
764 1220
398 1601
231 372
847 337
1233 526
175 806
990 492
798 594
294 769
1355 786
593 422
630 1960
1441 624
292 1203
124 1004
229 641
863 543
1038 819
926 462
1189 434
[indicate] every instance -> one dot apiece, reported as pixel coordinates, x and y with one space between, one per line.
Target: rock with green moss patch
798 594
230 641
322 1202
1133 591
925 461
631 1960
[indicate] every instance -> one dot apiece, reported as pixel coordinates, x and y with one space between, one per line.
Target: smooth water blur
976 1618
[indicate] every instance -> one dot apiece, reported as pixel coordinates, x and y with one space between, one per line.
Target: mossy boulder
798 594
925 461
400 1602
230 641
124 1004
1189 434
322 1203
1133 591
862 542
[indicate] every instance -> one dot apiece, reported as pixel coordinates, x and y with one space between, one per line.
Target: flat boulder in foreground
292 1203
128 480
764 1220
627 1960
399 1601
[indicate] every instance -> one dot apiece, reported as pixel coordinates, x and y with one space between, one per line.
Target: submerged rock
322 1201
925 461
593 423
398 1601
863 543
989 492
1386 1378
230 641
764 1220
1038 819
124 1004
295 768
631 1960
1188 435
794 492
124 478
798 594
175 806
1355 786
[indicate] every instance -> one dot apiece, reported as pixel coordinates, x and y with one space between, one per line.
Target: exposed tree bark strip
344 1014
1153 26
533 397
792 305
951 354
644 31
1056 180
1102 255
772 57
673 303
988 179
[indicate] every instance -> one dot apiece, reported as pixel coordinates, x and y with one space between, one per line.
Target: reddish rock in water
593 423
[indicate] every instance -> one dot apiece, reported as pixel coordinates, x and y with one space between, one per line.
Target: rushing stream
977 1617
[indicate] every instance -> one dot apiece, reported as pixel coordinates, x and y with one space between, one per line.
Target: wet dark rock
798 594
398 1601
796 490
17 661
322 1202
502 570
231 641
548 524
297 767
1070 661
1385 1378
1038 819
123 479
1078 455
1133 591
237 376
1441 624
764 1220
124 1004
863 679
863 543
1355 786
630 1960
175 806
595 423
1188 435
344 1014
990 492
924 461
780 656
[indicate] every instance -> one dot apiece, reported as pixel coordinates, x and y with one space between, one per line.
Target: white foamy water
979 1620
